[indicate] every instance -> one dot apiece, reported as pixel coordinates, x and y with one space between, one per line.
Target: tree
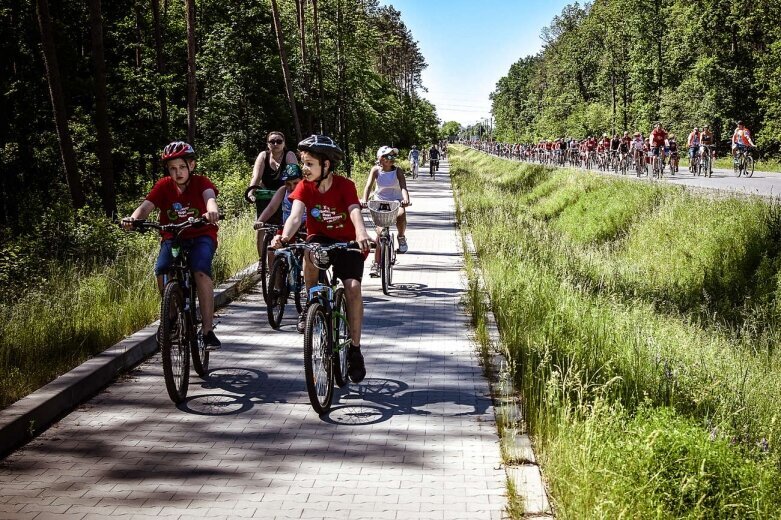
192 88
105 144
58 104
450 130
285 68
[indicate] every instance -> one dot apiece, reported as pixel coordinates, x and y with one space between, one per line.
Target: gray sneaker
403 245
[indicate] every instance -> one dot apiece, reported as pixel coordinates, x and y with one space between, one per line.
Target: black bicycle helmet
322 145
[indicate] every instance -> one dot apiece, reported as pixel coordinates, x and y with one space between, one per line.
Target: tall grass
609 297
79 312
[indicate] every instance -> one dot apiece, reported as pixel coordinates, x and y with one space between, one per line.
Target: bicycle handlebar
259 190
142 225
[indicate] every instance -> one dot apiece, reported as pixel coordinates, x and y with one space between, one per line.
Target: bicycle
695 166
706 160
383 213
326 333
287 275
432 167
269 230
743 163
658 165
179 336
414 169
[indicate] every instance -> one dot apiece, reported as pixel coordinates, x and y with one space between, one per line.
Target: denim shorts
201 250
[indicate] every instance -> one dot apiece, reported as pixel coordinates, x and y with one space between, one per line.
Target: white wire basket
384 212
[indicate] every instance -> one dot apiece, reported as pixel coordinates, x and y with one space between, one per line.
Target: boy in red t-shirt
334 215
178 196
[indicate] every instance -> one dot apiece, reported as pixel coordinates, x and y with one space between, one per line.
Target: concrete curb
31 415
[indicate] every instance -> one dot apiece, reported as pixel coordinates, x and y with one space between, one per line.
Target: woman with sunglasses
267 173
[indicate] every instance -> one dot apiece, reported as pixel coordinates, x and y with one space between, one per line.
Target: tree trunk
161 96
341 75
105 144
318 65
139 39
192 89
58 104
285 69
305 66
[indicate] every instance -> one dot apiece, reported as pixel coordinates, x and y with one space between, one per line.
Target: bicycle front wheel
278 292
175 345
386 269
749 167
318 366
264 267
341 337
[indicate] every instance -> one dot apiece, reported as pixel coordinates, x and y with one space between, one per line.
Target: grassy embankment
642 324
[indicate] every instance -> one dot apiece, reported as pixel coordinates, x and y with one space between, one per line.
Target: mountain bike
414 169
695 166
269 230
658 165
433 164
384 213
179 336
743 164
326 333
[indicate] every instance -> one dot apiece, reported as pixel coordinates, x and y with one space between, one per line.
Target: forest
615 65
92 91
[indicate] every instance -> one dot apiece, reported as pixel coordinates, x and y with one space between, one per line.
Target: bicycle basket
384 212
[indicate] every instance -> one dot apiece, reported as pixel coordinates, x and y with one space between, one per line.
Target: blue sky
470 45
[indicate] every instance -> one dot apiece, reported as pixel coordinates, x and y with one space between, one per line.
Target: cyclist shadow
376 400
243 386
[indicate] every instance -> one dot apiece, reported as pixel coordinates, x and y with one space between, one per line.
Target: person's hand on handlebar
405 203
127 223
258 224
212 217
362 239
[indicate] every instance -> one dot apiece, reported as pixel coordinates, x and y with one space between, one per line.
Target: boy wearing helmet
180 195
334 215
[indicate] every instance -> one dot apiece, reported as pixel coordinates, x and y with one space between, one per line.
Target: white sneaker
374 271
403 245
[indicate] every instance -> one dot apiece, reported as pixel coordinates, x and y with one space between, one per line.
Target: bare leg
205 288
352 289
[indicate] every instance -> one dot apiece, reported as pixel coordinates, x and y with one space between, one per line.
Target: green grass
656 303
80 313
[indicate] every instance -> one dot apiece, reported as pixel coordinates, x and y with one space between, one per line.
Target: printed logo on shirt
329 217
177 211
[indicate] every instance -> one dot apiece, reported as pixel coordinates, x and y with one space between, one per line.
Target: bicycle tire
318 366
385 266
749 166
175 347
199 354
278 292
341 337
737 167
265 272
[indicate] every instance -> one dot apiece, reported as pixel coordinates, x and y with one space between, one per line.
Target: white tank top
388 187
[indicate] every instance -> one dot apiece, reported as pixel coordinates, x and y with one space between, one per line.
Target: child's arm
369 184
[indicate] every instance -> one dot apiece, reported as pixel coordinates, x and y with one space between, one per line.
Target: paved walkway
417 439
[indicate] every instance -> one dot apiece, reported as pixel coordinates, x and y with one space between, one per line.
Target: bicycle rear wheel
318 366
175 344
278 292
341 337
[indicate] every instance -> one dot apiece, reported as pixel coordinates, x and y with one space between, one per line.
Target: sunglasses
390 157
275 141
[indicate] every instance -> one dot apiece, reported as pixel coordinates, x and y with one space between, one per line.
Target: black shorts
348 265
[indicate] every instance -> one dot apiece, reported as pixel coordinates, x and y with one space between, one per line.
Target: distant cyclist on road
433 158
414 160
741 139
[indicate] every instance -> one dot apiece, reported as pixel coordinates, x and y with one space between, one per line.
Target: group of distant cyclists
434 154
658 149
308 196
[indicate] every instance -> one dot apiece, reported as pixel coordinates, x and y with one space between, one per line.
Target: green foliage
615 65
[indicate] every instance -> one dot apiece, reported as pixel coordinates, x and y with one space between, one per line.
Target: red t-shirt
658 137
327 213
177 207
